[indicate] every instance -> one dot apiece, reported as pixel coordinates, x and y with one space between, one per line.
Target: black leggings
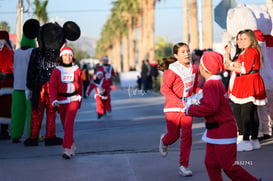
247 120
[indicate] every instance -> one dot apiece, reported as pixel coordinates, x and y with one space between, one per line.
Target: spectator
85 79
144 75
246 89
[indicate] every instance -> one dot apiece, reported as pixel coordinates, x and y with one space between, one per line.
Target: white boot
255 144
244 146
163 150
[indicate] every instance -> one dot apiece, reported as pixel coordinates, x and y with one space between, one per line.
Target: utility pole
19 23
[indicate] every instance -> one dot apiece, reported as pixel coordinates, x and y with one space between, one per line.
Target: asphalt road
120 146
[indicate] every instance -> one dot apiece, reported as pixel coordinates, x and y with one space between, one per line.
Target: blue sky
92 14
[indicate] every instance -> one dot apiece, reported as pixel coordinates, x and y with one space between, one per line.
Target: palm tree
193 25
4 26
208 36
185 21
129 14
146 30
129 10
40 10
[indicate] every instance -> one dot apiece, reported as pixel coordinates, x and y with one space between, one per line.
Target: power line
88 10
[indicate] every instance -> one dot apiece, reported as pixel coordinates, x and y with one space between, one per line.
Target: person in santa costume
246 89
21 108
6 83
180 80
221 128
65 89
51 38
101 85
108 72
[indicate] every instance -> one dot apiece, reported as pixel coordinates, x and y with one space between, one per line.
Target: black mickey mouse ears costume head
31 28
72 30
51 35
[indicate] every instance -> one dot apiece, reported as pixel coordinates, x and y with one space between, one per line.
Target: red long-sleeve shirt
65 80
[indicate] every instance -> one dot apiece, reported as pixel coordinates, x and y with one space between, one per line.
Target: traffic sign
220 12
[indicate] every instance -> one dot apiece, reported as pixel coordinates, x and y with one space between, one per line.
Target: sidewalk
120 147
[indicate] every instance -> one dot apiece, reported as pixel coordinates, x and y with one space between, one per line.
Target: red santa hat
66 50
4 35
99 72
259 35
213 62
105 58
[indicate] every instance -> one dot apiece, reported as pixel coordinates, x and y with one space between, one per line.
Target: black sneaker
31 142
4 136
100 115
265 137
53 141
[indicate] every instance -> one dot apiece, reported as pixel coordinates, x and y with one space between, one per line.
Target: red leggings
175 122
68 114
37 116
220 157
100 104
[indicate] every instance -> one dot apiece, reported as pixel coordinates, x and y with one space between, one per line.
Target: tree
193 25
208 36
40 10
4 26
162 48
78 54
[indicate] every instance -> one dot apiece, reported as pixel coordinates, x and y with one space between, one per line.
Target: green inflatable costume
21 108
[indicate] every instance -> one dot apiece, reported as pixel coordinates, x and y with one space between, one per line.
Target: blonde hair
254 43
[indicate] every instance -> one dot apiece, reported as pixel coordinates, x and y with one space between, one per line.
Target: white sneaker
244 146
73 149
109 113
239 138
66 153
185 172
255 144
163 150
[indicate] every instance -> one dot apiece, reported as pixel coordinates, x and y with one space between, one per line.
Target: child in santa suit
6 83
101 95
221 128
179 81
108 72
65 89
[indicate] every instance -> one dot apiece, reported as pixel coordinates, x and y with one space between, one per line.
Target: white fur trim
70 88
70 99
5 91
222 141
5 120
176 109
54 102
214 77
186 75
28 93
202 63
65 69
225 74
248 99
66 52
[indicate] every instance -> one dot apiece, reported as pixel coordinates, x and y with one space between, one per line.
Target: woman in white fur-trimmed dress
246 89
66 94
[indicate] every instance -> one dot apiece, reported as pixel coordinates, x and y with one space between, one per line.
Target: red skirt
247 88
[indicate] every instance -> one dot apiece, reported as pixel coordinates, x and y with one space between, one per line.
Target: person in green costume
21 108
